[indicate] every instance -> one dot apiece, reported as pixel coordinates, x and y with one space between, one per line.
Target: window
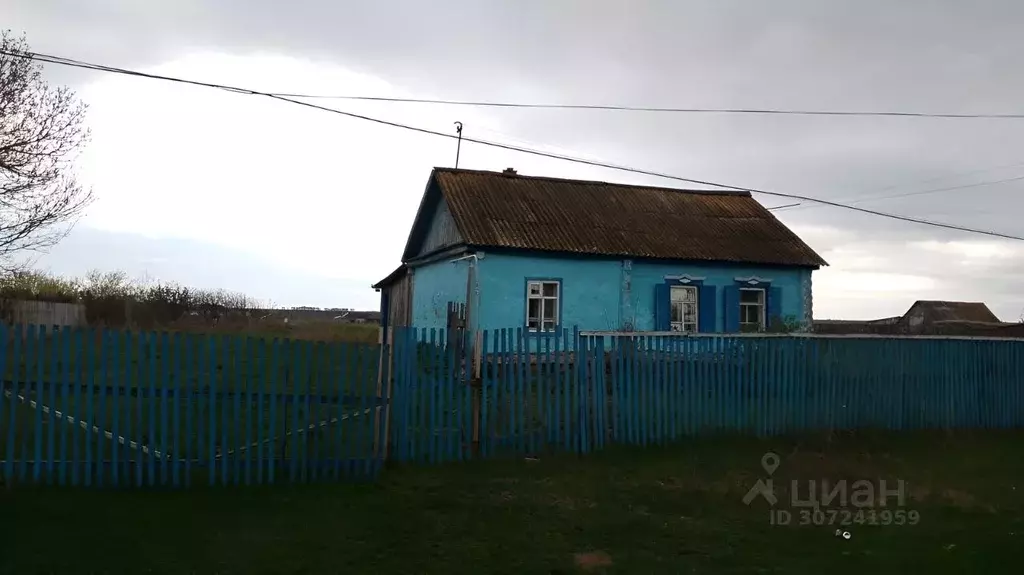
751 309
542 305
683 309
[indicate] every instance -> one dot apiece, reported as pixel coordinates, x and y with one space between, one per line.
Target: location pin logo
770 462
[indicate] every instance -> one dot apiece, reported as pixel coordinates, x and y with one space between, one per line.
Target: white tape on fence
83 424
310 427
145 449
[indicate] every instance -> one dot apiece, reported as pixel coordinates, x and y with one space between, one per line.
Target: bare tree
41 131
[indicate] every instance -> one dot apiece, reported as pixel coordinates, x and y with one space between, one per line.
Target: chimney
509 171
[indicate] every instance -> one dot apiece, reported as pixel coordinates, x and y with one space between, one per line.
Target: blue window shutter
774 306
731 296
706 313
661 307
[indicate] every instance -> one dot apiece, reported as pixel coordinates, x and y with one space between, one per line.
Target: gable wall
440 232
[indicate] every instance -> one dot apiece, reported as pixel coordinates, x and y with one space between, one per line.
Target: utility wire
956 175
760 111
784 206
606 107
499 145
937 179
907 194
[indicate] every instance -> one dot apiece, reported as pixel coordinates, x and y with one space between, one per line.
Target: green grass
660 510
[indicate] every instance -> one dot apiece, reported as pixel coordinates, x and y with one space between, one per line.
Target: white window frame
761 305
682 325
541 298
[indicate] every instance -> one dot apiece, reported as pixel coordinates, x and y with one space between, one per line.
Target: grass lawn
671 509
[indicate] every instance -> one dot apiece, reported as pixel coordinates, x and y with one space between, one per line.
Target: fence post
289 359
380 389
382 436
476 388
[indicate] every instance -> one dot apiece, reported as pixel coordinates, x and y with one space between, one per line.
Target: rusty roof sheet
493 209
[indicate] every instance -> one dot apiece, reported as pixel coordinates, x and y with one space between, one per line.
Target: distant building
929 317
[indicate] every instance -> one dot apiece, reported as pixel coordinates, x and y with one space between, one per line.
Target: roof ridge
744 193
950 301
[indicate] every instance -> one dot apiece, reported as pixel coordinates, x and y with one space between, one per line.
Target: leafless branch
41 130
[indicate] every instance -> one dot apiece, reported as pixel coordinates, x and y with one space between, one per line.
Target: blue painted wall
604 294
589 292
433 286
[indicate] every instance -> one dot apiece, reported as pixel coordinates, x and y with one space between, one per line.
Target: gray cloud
908 55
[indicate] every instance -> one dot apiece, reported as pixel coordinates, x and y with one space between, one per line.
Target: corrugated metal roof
493 209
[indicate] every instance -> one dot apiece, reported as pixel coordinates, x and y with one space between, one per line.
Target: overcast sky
302 207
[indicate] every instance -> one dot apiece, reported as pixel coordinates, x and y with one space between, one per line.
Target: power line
858 200
958 175
604 107
907 194
782 207
78 64
609 107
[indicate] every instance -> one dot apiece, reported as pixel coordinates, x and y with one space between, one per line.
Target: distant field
226 358
308 331
114 299
676 509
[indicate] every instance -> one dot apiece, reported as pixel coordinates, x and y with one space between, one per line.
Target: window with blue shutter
688 304
752 305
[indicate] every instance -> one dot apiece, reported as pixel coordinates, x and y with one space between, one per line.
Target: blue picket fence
514 392
95 407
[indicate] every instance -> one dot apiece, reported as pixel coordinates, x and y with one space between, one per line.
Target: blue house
535 252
